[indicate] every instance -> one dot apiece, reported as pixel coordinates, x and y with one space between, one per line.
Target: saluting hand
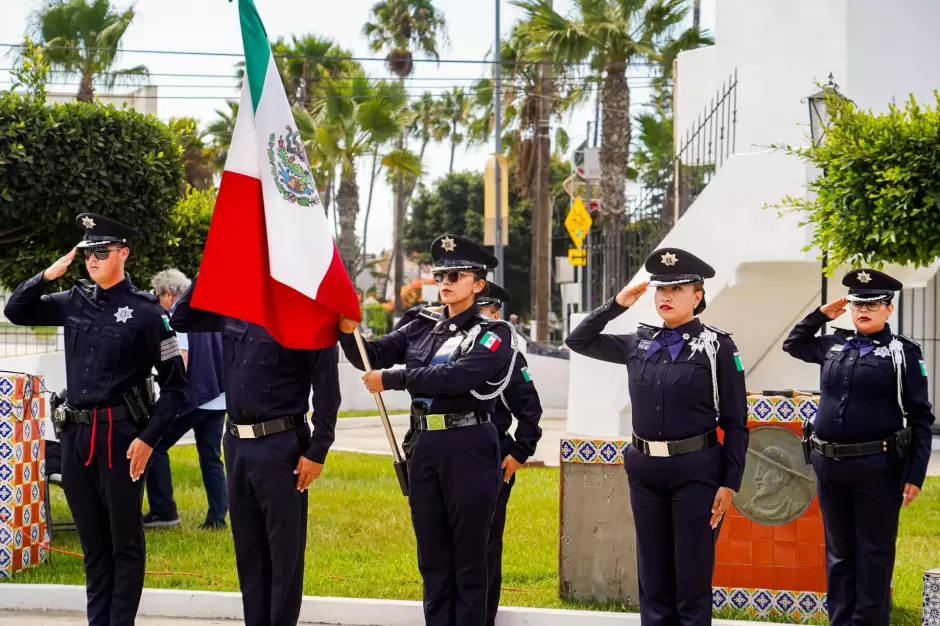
307 471
373 381
510 467
835 308
630 294
347 325
910 493
721 504
59 268
139 454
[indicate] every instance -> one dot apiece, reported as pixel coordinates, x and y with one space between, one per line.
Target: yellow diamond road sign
578 222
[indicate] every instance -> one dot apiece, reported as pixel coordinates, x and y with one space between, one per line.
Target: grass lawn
360 542
369 413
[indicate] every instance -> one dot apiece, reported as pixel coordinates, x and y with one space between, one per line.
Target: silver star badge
448 244
669 259
87 222
452 327
123 314
686 336
864 277
883 352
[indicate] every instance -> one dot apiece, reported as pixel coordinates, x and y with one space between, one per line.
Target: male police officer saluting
271 457
114 335
867 463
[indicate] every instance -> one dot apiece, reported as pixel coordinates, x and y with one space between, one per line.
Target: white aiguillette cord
379 402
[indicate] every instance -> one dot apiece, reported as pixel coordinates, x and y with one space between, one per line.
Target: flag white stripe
242 154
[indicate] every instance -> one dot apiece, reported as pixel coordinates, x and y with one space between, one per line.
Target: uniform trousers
269 524
455 480
671 498
494 552
105 505
860 501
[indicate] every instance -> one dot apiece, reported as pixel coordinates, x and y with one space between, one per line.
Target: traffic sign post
578 222
577 257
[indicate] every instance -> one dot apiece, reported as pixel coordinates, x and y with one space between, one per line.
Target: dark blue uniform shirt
264 380
520 399
113 340
859 401
673 397
449 385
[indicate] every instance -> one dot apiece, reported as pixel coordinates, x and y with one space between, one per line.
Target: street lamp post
820 117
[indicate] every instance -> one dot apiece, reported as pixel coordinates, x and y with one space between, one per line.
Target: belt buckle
436 422
658 448
245 431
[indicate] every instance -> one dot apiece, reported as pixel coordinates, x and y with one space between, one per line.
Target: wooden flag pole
400 464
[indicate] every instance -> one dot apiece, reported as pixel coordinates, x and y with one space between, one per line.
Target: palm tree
222 130
610 34
83 38
457 106
348 120
398 27
197 157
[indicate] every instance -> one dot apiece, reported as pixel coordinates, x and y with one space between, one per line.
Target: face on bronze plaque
778 486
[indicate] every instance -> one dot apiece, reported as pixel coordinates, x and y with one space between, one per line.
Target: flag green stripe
257 50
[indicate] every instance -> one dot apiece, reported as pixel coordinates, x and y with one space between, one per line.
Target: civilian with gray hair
205 416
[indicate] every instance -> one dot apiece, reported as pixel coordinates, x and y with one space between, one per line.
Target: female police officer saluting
866 462
456 365
685 379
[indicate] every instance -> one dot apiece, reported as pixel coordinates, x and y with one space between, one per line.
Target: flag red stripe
235 278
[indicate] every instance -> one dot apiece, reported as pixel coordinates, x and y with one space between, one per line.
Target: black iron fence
616 254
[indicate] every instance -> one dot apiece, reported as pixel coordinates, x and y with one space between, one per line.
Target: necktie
666 338
864 345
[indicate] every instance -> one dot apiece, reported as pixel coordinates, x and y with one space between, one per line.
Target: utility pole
542 227
498 149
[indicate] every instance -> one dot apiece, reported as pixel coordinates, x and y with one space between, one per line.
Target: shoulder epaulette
718 330
649 326
428 314
146 295
909 341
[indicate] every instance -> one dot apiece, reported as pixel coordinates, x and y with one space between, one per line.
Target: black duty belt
851 450
675 448
449 420
263 429
88 416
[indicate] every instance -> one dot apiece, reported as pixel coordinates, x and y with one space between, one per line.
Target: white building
878 52
142 100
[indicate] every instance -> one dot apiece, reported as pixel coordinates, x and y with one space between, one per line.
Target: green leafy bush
878 200
62 160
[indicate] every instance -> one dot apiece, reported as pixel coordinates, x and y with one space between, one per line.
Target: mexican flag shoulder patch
737 362
525 375
923 368
166 323
490 341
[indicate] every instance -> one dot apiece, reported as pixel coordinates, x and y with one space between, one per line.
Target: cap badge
669 259
864 277
448 244
88 223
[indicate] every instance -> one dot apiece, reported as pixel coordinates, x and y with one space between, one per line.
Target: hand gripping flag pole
400 464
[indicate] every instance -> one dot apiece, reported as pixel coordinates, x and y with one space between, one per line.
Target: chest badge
123 314
884 352
452 327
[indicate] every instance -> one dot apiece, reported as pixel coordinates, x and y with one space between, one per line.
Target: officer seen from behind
115 334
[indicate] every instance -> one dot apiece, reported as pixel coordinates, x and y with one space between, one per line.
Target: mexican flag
270 258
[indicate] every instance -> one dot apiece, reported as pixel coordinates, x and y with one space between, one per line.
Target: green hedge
61 160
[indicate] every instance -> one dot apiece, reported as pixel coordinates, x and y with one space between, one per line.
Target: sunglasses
868 307
100 253
452 276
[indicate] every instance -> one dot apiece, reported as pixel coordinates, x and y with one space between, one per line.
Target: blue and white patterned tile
18 495
6 408
42 470
26 558
6 558
43 428
6 511
6 472
762 410
587 452
740 599
42 554
785 409
18 452
5 535
27 472
567 451
932 598
34 408
609 451
808 408
7 386
762 600
6 430
34 451
27 431
6 493
6 451
808 603
719 598
27 516
17 538
784 602
34 495
34 533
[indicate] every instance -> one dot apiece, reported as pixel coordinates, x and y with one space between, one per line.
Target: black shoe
207 525
152 520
